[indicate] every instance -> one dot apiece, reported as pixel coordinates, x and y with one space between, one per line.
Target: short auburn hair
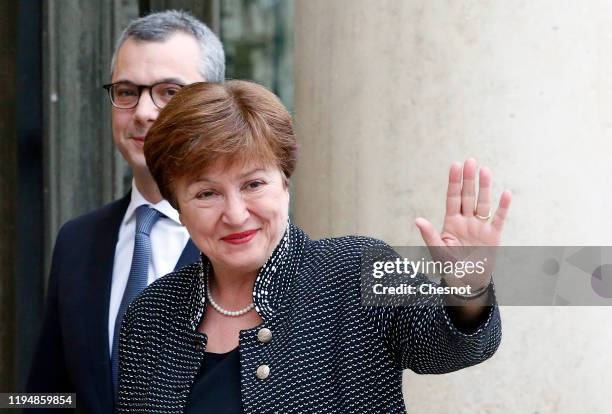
235 122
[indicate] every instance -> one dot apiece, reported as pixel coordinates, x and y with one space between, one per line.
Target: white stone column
389 93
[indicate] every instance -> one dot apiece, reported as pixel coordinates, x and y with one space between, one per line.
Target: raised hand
466 222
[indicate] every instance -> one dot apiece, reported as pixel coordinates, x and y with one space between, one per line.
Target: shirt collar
137 200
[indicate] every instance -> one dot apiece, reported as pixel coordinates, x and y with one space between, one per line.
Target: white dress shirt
168 239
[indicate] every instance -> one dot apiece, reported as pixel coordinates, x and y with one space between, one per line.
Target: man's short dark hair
157 27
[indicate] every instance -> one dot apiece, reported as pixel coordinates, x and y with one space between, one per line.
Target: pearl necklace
224 311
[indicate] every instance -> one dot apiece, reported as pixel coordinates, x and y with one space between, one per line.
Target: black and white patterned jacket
327 353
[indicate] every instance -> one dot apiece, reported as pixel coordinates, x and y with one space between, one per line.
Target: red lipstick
240 238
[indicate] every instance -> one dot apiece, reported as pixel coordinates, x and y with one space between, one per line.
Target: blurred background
385 95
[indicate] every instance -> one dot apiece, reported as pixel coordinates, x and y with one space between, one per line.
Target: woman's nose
236 211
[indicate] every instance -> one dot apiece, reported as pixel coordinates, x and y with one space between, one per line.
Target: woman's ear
285 182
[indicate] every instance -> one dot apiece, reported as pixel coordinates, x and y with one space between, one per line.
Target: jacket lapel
190 255
100 272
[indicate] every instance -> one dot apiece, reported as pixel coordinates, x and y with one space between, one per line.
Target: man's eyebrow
172 80
178 81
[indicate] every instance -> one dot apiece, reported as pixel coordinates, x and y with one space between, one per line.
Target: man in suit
103 259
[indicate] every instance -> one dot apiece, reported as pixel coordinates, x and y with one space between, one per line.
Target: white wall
389 93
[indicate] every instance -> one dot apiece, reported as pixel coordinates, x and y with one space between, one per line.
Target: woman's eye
205 195
254 185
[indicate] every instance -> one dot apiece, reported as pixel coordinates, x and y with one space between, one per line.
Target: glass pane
258 39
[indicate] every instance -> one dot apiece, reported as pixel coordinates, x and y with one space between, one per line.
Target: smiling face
236 215
175 60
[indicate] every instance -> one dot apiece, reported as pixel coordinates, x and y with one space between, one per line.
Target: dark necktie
137 281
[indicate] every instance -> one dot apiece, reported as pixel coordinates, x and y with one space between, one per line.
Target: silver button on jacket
263 371
264 335
329 353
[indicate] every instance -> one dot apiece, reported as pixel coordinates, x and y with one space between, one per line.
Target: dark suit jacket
72 354
328 353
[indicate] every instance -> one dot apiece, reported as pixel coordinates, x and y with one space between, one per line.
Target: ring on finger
478 216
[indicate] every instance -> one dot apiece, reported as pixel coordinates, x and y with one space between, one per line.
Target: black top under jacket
216 389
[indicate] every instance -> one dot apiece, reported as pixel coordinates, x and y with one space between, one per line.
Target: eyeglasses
126 95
